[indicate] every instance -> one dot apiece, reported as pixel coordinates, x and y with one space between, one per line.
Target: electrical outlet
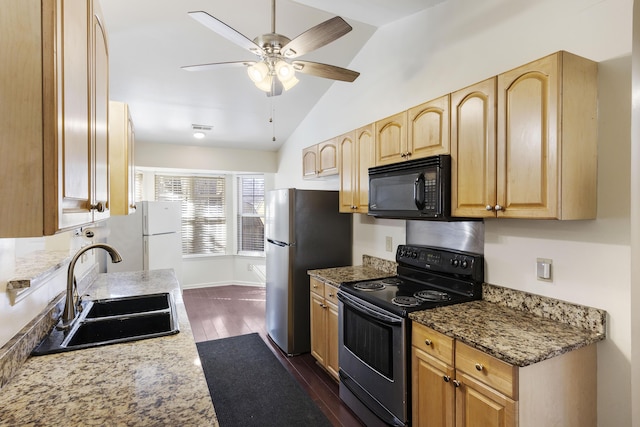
388 244
543 269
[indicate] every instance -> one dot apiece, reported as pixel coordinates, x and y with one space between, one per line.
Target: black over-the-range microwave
415 189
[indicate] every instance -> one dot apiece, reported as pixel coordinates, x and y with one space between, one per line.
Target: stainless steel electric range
375 332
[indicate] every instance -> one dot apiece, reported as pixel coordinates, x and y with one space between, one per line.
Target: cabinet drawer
434 343
331 293
497 374
316 286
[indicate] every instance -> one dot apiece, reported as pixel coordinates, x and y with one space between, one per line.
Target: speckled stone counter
517 327
153 382
371 268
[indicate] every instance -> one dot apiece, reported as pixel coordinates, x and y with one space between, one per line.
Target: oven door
373 359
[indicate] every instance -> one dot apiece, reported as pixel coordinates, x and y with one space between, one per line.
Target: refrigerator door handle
279 243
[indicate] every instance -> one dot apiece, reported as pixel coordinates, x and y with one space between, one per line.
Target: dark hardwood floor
225 311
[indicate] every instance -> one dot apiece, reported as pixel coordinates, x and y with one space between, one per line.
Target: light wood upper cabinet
121 155
428 129
537 157
100 117
419 132
53 124
473 149
391 139
547 139
356 155
320 160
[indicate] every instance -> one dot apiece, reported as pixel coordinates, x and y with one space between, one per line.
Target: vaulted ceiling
149 40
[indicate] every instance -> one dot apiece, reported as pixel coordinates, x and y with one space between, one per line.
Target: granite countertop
335 276
150 382
515 336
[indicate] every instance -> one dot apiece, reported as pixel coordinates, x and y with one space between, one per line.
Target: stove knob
464 263
414 255
455 262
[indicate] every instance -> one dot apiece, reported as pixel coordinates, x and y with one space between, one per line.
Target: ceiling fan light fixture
258 72
290 83
284 71
265 84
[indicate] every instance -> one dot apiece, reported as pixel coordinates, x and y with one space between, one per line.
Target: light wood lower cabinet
324 325
454 384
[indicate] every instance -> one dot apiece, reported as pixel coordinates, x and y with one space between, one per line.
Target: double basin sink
114 320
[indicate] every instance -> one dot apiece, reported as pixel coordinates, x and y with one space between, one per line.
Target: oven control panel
442 260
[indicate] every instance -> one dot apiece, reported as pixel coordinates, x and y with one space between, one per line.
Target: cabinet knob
489 207
457 383
499 208
446 378
98 207
323 305
479 367
428 342
331 294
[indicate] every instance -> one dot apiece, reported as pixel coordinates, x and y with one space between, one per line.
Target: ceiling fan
275 69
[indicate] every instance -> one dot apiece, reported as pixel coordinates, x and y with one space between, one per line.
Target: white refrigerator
148 239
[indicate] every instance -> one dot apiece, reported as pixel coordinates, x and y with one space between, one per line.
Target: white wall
458 43
201 271
15 317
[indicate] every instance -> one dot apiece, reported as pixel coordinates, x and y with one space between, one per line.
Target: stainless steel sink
115 320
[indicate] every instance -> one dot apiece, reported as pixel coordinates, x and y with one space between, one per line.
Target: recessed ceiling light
198 135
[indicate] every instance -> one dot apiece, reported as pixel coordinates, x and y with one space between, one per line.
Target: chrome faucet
71 307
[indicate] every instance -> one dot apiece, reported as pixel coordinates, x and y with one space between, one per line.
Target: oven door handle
391 320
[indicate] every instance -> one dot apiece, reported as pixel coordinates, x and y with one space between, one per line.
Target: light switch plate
543 269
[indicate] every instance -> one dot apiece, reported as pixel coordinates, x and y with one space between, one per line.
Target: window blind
251 213
204 227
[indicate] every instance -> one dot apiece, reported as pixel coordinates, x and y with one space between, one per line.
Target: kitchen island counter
517 327
149 382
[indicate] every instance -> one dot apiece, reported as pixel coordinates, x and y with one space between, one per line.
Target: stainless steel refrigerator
304 231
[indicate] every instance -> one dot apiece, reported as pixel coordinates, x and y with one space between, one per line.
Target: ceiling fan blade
325 70
225 31
213 65
276 88
316 37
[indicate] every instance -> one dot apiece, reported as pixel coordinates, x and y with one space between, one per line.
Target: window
204 226
250 213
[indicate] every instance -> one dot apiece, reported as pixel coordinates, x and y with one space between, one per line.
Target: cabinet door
327 158
332 340
528 149
121 164
428 128
309 162
100 119
318 331
391 139
479 405
365 158
433 393
348 175
473 150
74 139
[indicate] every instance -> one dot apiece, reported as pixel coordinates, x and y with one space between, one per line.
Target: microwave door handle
418 192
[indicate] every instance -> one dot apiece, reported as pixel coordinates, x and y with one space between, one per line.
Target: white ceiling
149 40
